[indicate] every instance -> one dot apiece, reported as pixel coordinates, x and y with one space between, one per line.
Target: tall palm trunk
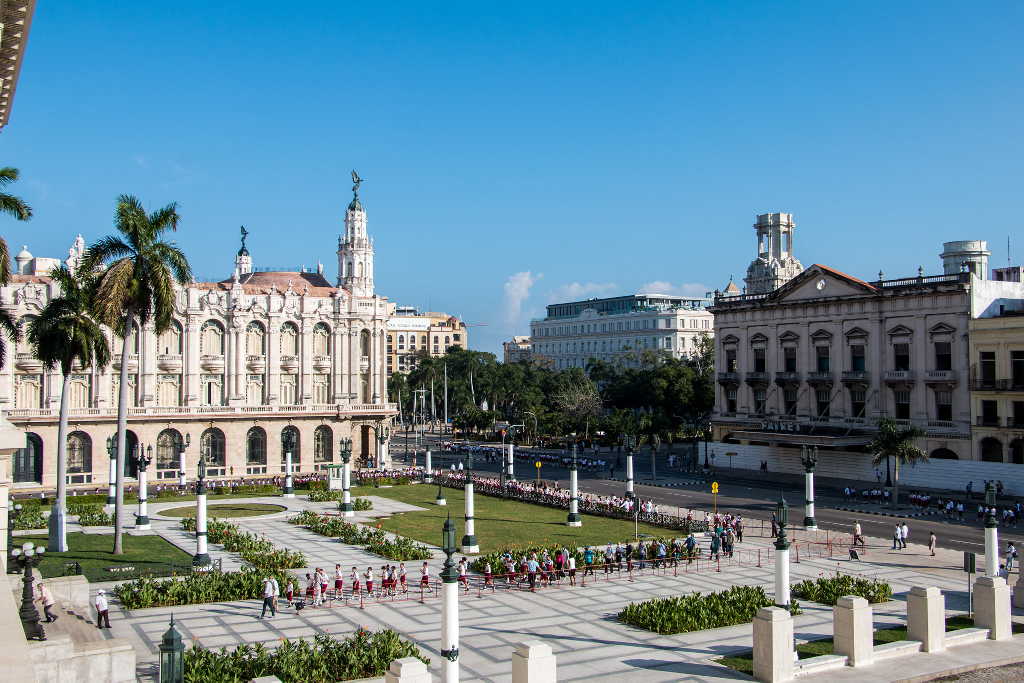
895 482
58 538
122 428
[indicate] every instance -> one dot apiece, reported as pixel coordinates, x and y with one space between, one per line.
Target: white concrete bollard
533 662
992 607
407 670
926 618
773 645
852 630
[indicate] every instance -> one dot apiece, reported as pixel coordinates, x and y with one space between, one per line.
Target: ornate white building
775 263
246 359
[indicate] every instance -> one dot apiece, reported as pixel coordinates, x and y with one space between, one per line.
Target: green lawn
147 554
744 662
226 510
499 522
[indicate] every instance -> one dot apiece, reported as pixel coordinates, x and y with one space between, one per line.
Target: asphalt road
758 502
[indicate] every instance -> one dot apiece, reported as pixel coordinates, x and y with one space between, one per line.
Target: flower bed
828 589
257 551
211 586
29 517
322 660
698 612
375 540
95 517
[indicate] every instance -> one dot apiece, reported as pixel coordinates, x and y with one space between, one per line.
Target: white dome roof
24 253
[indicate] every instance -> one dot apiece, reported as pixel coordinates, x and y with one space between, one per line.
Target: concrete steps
75 621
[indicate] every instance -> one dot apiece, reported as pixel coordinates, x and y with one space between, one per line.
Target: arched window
289 340
167 447
321 340
170 340
944 454
254 339
323 444
1017 451
211 339
401 342
79 453
28 461
256 447
296 449
79 391
212 448
131 443
364 343
991 449
412 342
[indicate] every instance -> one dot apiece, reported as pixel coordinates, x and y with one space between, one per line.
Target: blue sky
534 152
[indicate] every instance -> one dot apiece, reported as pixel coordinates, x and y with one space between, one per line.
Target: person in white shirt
102 610
268 597
44 595
904 535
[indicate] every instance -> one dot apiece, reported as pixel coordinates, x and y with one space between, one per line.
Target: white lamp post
809 458
449 607
142 460
469 544
202 557
112 477
991 532
428 472
181 459
574 518
511 462
288 445
630 443
346 479
782 555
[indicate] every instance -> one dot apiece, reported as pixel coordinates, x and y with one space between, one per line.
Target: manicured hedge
211 586
698 612
828 589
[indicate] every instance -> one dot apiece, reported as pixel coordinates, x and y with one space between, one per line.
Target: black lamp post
15 509
990 506
782 554
172 656
182 446
782 515
809 459
143 457
27 557
112 483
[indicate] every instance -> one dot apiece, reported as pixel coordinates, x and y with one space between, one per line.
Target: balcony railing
856 376
820 377
987 421
729 377
943 376
899 376
757 377
785 377
184 411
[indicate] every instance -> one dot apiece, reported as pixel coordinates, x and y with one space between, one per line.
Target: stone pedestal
773 645
1018 593
407 670
992 607
926 618
533 662
853 631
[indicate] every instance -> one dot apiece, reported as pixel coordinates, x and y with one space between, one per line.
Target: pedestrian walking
896 534
932 542
572 570
44 595
102 610
904 534
268 598
1011 555
858 535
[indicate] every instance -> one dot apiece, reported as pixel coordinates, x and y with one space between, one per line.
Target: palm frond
8 174
104 249
5 263
113 294
15 207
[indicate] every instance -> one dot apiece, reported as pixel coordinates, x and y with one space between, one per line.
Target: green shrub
324 496
828 589
95 517
257 551
79 507
314 485
375 540
697 612
362 504
322 660
30 516
211 586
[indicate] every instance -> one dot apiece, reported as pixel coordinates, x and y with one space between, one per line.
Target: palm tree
897 442
65 334
137 286
16 207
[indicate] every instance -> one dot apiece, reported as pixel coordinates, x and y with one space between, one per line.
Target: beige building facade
245 360
410 333
519 348
997 386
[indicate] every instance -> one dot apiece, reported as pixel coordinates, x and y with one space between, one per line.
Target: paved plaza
578 623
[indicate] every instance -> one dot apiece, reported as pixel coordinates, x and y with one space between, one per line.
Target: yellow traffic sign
537 464
714 487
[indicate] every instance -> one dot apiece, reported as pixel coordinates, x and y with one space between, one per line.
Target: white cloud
517 291
577 291
695 289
